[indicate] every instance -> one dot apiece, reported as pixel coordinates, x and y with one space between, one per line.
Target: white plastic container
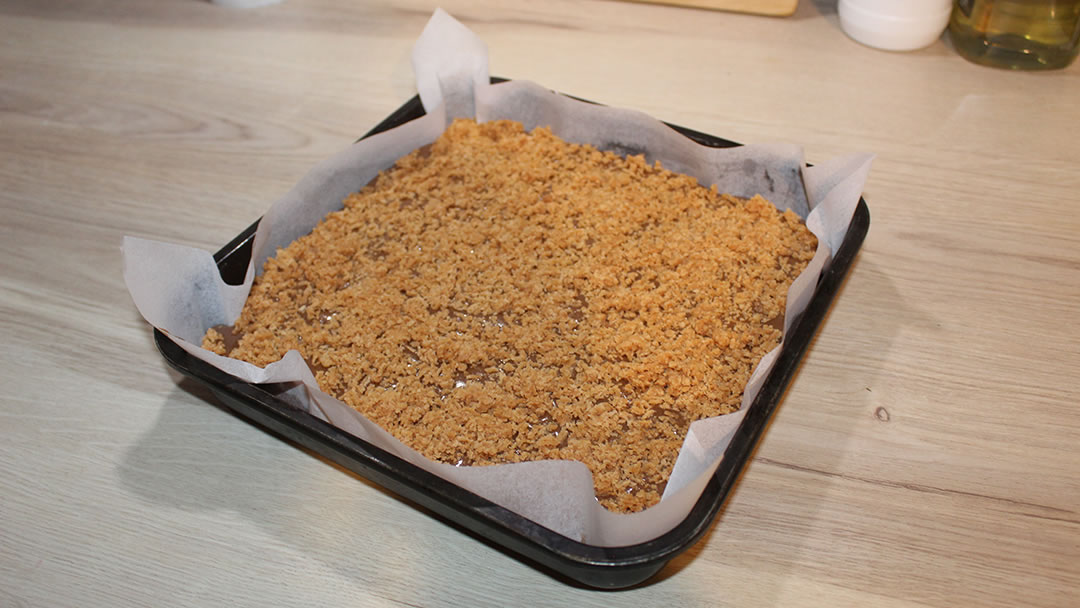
895 25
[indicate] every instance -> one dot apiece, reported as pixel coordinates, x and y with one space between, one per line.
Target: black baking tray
602 567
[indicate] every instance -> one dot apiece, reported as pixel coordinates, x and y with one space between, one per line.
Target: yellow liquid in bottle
1017 34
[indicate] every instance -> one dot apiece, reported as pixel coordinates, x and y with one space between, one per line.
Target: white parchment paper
179 291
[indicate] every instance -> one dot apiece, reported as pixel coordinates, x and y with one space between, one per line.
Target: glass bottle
1017 34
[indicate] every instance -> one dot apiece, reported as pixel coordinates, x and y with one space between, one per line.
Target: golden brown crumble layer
502 296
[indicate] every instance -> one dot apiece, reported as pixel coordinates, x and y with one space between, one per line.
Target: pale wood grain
926 454
776 8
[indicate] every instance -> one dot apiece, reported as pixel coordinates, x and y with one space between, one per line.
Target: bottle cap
895 25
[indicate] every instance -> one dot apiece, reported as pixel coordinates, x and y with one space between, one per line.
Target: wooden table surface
927 454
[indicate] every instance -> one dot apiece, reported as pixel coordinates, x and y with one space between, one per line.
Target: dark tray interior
605 567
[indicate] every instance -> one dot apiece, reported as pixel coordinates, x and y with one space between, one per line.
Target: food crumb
503 296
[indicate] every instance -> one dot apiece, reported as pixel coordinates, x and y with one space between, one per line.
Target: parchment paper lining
179 291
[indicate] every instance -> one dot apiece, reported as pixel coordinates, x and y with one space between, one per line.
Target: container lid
894 25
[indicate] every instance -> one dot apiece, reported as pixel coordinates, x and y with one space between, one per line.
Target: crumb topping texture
502 296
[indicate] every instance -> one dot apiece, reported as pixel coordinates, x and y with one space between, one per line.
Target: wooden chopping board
776 8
